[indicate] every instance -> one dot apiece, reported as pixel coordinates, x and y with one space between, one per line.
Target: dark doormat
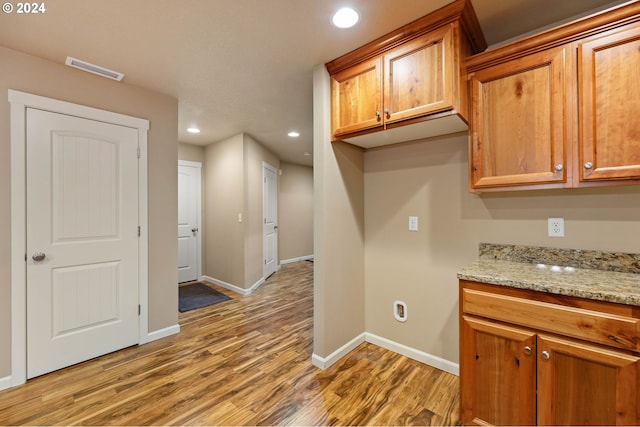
198 295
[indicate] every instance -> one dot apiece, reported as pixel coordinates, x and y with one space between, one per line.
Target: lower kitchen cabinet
521 374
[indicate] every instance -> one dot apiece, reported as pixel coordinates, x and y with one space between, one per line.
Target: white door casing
189 240
82 220
270 219
20 102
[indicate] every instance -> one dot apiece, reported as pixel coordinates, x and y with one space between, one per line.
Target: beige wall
191 152
33 75
224 200
338 231
295 194
428 179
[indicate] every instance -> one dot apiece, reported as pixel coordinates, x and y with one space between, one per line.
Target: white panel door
82 239
270 214
188 222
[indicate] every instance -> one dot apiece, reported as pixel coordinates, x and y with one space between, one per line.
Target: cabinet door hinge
138 231
139 309
138 152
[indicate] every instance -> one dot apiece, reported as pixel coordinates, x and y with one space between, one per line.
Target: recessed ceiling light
193 130
293 134
345 18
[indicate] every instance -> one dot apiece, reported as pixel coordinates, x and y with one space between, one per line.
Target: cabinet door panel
610 108
498 382
580 384
356 96
419 77
519 121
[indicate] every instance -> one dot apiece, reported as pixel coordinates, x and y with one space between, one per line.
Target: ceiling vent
94 69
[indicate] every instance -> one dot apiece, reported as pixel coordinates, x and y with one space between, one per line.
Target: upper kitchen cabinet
408 84
609 108
558 109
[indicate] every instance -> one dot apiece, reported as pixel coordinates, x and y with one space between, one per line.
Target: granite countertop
602 276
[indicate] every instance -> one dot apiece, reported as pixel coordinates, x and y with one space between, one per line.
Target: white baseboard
234 288
412 353
161 333
302 258
324 362
5 383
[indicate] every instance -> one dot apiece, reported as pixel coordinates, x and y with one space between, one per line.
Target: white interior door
270 214
82 239
189 176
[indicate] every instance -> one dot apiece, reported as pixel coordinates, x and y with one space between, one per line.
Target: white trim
162 333
198 166
412 353
226 285
273 169
5 383
291 260
20 101
325 362
234 288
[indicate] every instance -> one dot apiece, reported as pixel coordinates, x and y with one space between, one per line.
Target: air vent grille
94 69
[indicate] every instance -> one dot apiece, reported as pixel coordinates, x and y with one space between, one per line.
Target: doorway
270 215
189 235
79 285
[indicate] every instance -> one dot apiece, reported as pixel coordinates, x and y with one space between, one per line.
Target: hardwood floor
246 361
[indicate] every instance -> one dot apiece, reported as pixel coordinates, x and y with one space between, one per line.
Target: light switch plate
413 223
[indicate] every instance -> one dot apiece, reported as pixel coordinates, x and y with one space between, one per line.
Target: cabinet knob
545 355
527 350
588 165
378 114
559 167
386 113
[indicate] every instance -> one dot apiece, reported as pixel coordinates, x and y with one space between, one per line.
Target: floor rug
198 295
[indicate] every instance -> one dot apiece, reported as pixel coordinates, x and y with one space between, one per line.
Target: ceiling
241 65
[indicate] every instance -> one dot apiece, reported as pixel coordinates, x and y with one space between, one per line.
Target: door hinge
138 152
139 309
138 231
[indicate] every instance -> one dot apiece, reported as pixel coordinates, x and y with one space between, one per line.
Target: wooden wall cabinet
529 358
408 77
558 109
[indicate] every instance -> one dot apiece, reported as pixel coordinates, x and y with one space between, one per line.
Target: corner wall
338 233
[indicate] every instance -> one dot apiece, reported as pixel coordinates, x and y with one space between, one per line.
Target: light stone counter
559 271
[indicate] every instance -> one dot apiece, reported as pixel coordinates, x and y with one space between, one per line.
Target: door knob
194 230
38 256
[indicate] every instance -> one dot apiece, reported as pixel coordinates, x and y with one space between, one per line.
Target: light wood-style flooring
246 361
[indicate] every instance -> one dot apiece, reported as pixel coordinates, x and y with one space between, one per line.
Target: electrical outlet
556 227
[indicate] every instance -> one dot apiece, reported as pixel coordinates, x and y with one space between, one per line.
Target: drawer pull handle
545 355
527 350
